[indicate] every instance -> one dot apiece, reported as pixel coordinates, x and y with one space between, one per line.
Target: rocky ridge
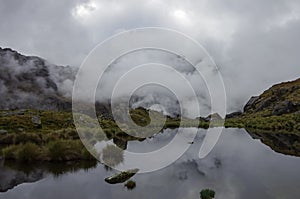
32 82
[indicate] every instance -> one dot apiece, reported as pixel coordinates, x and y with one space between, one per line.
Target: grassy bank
31 135
283 123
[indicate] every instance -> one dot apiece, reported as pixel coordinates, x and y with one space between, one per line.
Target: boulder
285 107
121 177
36 120
233 114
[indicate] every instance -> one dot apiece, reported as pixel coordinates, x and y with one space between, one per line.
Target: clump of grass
22 138
67 150
59 150
10 152
7 139
207 194
53 136
130 185
24 152
30 152
86 155
203 125
172 123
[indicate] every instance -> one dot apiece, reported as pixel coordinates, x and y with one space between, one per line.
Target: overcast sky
254 42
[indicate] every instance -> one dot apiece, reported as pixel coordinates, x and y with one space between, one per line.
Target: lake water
238 167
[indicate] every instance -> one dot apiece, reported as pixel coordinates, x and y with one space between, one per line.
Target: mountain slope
32 82
276 110
280 99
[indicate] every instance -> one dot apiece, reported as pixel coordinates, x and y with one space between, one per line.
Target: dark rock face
32 82
104 110
285 107
280 99
251 103
233 115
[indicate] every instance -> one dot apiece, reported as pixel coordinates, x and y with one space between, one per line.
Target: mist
254 43
32 82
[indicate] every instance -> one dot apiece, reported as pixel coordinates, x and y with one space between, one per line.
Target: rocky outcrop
233 115
251 103
285 107
121 177
280 99
32 82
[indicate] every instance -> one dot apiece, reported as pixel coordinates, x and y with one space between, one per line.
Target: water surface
238 167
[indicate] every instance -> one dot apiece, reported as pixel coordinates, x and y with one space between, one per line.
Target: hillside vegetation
276 109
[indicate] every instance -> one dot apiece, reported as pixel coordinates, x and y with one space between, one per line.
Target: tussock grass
60 150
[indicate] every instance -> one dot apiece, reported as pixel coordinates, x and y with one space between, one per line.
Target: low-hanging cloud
254 43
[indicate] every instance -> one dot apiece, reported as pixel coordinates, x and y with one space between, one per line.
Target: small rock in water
130 185
121 177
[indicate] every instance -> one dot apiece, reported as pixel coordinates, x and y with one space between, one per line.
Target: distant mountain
280 99
32 82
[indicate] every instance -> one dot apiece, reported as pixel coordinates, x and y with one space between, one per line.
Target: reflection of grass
130 185
29 152
56 169
207 194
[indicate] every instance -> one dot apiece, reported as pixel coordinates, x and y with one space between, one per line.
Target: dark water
238 167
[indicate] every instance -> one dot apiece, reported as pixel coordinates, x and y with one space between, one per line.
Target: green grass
24 152
282 123
207 194
130 185
51 121
57 139
57 151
